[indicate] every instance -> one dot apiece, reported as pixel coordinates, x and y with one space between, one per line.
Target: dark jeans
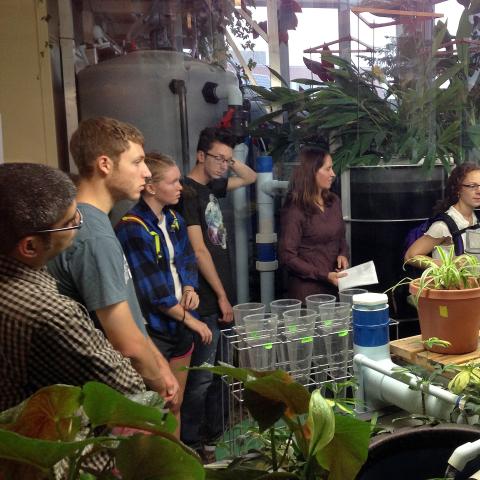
205 403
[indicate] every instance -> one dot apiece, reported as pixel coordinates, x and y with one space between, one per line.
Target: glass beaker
260 338
279 307
334 328
299 332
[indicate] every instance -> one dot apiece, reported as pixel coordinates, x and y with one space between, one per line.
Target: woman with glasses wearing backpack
462 196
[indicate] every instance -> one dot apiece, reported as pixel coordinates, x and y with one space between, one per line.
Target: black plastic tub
418 453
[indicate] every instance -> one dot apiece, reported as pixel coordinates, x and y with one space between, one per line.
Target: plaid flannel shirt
47 338
151 273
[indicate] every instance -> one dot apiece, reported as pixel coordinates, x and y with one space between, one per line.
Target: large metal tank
386 202
136 88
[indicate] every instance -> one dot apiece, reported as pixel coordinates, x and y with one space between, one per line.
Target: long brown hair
454 184
303 190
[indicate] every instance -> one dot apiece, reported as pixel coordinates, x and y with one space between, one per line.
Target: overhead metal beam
306 3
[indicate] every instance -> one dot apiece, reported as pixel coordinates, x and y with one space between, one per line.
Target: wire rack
328 370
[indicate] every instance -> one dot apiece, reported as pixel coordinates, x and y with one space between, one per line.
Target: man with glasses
208 181
93 270
45 338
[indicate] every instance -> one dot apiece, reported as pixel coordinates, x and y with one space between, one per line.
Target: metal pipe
241 215
266 238
178 88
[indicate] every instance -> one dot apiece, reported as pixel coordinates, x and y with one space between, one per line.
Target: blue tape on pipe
370 317
266 252
371 335
264 164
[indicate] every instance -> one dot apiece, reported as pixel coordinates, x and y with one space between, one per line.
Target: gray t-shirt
93 270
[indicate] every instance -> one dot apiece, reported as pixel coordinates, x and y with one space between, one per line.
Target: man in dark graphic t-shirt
205 184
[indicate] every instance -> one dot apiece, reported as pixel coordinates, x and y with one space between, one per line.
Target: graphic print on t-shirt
217 233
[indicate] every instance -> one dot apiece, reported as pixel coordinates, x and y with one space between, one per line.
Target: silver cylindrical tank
136 88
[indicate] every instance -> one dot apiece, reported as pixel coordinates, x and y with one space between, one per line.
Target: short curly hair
32 197
101 136
454 183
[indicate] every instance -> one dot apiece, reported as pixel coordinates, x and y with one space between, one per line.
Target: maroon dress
309 246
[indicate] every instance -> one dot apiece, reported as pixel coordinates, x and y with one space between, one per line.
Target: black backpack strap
455 232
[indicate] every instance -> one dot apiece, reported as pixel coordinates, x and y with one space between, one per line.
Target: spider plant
450 272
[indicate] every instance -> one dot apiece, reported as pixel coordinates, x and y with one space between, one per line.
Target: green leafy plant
74 433
450 272
319 443
83 433
364 117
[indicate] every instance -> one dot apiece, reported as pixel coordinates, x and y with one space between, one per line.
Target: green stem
289 441
308 473
274 451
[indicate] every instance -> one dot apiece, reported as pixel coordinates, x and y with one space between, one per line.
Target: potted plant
448 299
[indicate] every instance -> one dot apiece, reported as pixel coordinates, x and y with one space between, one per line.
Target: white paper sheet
363 274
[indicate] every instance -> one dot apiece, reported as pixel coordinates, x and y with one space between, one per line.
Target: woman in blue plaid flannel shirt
163 265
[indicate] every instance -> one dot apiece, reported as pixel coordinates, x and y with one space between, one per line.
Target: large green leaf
265 411
278 76
234 473
43 454
154 457
321 422
276 387
105 406
347 452
473 133
51 413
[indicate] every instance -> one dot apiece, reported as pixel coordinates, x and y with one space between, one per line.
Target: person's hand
334 276
199 327
226 309
342 262
166 385
190 299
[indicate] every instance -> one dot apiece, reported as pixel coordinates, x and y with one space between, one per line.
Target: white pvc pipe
270 187
231 92
464 454
265 234
241 214
380 387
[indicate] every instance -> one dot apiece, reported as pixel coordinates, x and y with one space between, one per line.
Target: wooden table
411 350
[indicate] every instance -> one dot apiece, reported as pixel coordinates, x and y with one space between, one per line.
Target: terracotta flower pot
452 315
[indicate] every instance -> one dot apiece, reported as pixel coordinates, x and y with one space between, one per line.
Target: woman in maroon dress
312 241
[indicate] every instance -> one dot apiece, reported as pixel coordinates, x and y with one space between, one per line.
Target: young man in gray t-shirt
110 159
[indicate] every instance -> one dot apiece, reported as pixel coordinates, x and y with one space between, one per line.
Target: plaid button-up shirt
151 272
47 338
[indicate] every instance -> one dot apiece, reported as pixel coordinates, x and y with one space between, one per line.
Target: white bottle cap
370 299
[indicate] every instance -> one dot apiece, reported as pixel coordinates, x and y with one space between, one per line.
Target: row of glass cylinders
313 344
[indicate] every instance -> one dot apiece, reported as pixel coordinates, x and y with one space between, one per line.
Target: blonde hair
158 163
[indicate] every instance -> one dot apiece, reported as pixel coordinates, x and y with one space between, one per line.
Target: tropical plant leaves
154 457
41 454
347 452
105 406
321 422
49 414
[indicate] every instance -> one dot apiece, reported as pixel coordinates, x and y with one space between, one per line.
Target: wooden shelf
411 350
411 15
